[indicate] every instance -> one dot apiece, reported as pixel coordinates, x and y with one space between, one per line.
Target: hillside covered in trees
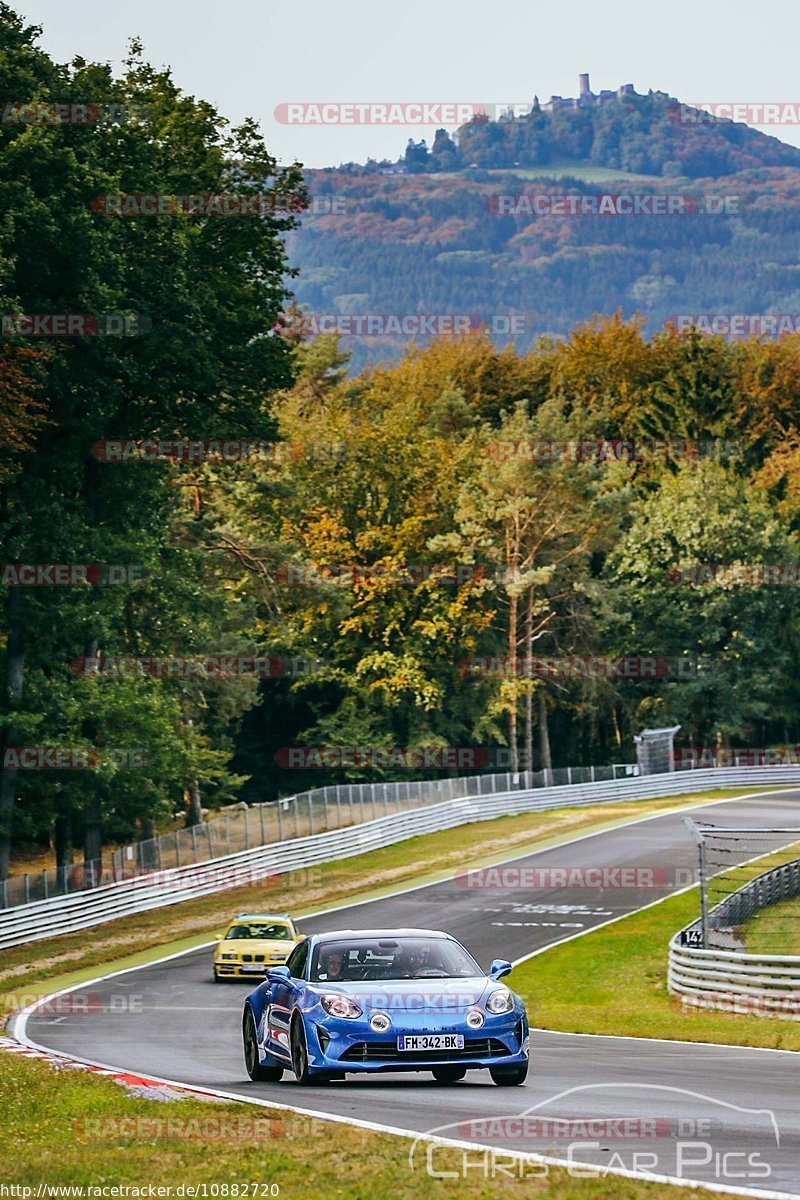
652 134
502 225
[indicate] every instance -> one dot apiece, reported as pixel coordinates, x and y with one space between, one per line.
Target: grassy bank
78 1130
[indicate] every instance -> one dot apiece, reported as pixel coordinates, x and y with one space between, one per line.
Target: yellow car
252 943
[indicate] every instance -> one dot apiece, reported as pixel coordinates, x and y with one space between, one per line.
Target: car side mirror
279 974
500 968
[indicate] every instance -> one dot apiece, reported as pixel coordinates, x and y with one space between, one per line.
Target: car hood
254 946
412 994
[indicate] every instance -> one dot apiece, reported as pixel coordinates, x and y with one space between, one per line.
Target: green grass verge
613 981
80 1130
774 930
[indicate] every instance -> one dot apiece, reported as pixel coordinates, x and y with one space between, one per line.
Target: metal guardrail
65 914
761 984
307 813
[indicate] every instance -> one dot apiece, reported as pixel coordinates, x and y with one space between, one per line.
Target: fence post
27 888
228 831
592 773
246 830
177 849
701 848
44 883
193 829
261 810
296 808
210 844
5 893
280 819
311 813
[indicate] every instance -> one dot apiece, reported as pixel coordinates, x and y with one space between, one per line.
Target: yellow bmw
252 943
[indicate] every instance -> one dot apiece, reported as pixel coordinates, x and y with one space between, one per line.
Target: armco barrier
65 914
734 980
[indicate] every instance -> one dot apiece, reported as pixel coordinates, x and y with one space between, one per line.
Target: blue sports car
375 1000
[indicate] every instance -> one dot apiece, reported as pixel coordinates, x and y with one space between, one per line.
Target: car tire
448 1074
257 1072
509 1076
299 1049
217 978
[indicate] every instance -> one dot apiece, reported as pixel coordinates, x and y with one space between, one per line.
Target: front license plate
254 968
430 1041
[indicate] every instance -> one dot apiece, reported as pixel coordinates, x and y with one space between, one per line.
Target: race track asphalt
719 1114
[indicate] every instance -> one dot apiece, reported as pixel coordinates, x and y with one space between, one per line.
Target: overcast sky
249 57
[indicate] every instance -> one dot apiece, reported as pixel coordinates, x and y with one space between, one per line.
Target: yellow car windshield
261 933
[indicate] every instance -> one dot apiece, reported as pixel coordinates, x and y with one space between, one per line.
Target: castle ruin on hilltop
586 97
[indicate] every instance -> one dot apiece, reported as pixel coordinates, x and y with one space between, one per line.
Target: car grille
252 958
473 1048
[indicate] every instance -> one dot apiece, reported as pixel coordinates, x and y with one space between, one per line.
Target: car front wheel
448 1074
509 1076
300 1053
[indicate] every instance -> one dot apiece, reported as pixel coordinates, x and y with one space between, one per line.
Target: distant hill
443 237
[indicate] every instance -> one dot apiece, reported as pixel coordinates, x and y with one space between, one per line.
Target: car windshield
262 932
391 958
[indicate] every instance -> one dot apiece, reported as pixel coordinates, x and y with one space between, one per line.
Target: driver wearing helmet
413 962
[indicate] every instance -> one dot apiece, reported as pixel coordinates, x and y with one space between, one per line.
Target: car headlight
500 1001
340 1006
227 957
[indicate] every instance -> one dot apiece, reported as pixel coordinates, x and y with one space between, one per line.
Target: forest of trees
435 245
392 548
